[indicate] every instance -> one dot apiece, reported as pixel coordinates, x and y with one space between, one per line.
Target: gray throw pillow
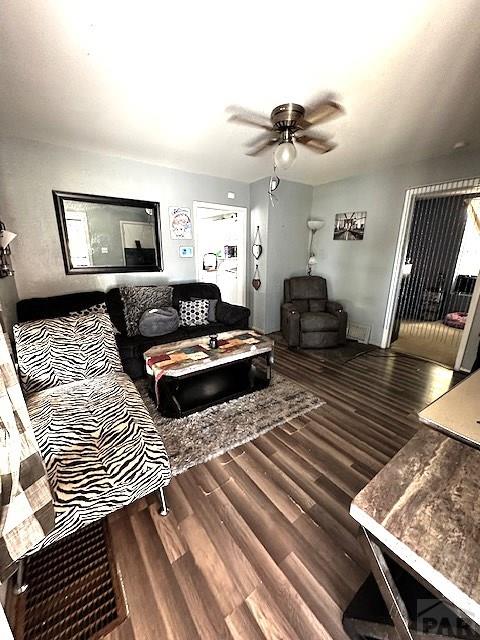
212 307
158 322
137 299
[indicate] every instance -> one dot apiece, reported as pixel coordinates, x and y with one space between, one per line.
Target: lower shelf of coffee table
181 396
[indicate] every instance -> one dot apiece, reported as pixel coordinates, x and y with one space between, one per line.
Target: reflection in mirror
108 234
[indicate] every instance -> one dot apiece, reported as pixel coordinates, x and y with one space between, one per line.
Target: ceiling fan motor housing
287 116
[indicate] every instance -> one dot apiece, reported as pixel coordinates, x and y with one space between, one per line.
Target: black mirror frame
60 196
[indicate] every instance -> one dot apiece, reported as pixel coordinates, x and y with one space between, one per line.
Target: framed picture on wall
185 252
350 226
104 234
180 223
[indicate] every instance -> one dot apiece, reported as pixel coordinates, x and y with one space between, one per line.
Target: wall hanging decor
256 282
5 239
350 226
257 248
180 223
185 252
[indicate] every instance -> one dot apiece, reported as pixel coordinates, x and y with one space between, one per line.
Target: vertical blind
442 261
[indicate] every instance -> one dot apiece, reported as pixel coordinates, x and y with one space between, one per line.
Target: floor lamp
313 226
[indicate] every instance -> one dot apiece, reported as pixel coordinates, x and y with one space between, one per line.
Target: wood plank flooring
259 543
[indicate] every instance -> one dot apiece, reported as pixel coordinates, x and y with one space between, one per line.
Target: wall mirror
100 234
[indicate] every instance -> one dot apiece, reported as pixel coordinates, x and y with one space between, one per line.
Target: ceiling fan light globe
285 155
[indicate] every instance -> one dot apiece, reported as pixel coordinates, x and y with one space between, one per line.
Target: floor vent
74 589
359 332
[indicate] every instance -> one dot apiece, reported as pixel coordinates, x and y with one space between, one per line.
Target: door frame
446 188
123 224
468 326
243 213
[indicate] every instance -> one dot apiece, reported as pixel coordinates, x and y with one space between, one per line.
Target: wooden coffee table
188 375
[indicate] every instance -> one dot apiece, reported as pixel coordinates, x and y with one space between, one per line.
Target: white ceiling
151 80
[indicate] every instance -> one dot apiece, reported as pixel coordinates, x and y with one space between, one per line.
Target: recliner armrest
334 307
290 307
232 314
290 319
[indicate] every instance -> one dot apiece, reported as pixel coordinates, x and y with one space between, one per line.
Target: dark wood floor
259 543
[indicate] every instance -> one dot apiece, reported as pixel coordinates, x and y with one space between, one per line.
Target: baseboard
260 331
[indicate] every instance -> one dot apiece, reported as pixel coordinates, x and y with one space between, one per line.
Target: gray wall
8 300
473 341
259 217
359 273
287 242
30 170
284 235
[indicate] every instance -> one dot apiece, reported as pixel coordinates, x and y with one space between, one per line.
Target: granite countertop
424 505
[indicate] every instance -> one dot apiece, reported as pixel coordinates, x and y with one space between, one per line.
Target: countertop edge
444 586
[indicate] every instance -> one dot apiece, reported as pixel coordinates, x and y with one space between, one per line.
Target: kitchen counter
424 507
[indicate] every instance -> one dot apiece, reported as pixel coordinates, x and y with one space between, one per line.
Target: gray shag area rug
207 434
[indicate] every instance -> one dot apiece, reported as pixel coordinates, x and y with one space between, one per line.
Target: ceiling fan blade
322 111
320 145
242 116
265 135
262 144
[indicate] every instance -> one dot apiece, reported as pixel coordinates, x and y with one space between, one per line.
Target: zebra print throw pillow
136 300
193 312
62 350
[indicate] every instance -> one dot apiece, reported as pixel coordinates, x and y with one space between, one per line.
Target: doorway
221 249
436 284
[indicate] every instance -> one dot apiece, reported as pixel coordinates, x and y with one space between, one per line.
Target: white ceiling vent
359 332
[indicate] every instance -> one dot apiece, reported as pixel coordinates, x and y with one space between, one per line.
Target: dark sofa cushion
229 317
318 322
232 314
57 306
115 309
190 290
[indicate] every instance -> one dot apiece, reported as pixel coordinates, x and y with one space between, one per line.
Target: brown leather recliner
309 318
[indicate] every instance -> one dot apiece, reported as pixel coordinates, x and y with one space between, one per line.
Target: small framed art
185 252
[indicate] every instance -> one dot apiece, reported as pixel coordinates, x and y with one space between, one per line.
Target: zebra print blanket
97 439
100 449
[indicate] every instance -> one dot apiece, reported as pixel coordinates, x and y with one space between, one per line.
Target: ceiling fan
289 123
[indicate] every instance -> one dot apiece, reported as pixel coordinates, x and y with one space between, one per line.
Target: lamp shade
6 237
315 225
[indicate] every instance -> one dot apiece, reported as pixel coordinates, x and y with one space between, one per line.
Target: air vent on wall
359 332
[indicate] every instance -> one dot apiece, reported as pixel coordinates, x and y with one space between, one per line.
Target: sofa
131 348
98 442
308 318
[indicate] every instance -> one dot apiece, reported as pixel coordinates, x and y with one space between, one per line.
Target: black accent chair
309 319
132 348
